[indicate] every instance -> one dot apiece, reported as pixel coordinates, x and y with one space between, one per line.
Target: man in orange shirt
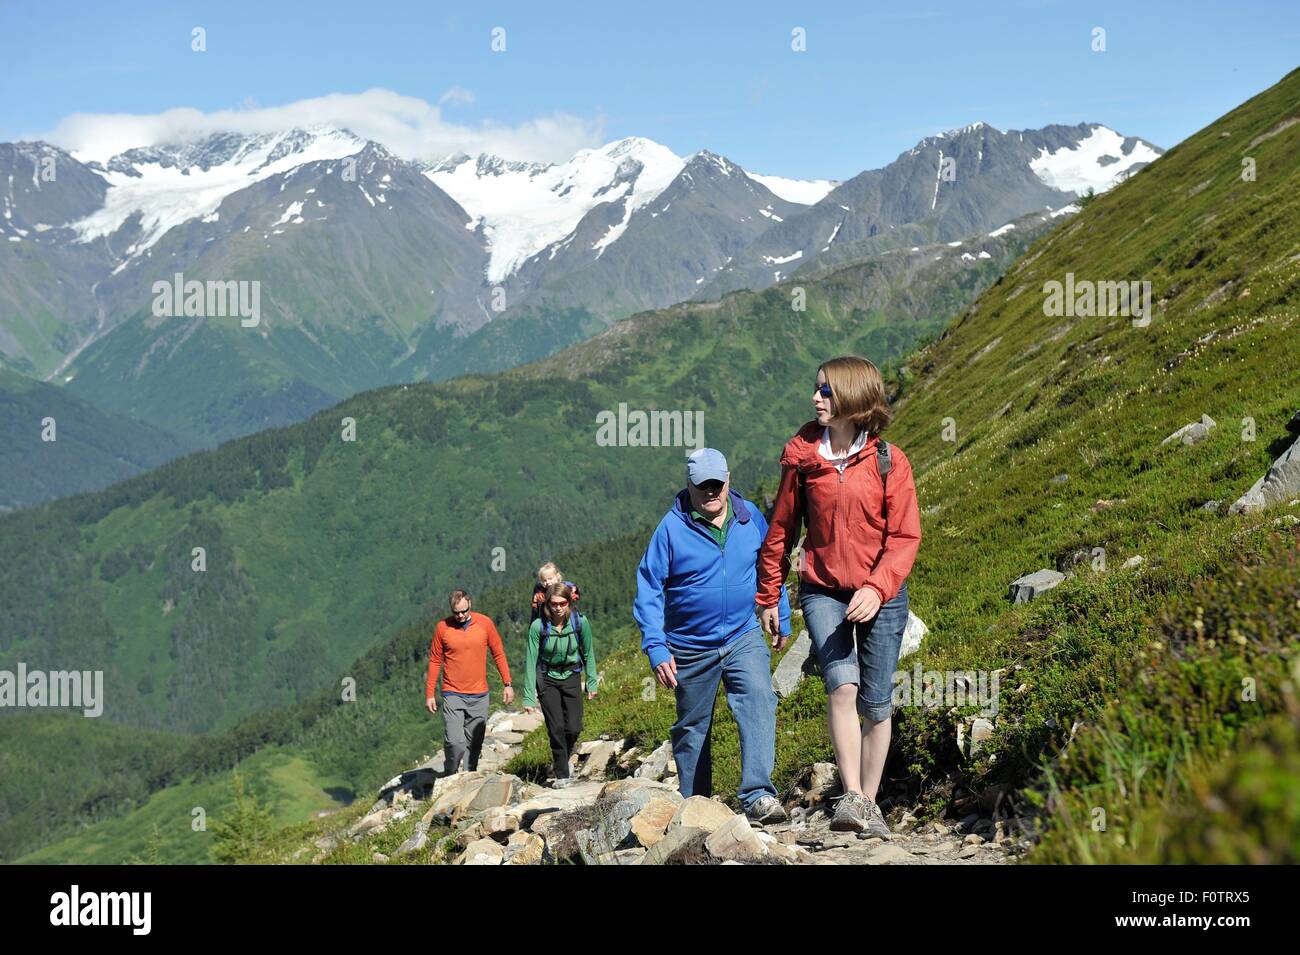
459 650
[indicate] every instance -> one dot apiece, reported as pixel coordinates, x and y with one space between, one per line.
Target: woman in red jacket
855 495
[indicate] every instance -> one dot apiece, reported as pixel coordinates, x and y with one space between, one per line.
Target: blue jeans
870 660
745 668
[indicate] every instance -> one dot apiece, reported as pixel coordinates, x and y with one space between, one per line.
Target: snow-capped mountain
376 269
955 184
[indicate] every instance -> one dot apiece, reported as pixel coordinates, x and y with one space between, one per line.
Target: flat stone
524 848
656 764
789 672
497 790
736 840
889 855
1193 433
1026 588
499 823
912 635
415 843
672 842
482 852
371 823
700 812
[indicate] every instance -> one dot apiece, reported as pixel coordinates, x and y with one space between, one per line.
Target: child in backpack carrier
548 574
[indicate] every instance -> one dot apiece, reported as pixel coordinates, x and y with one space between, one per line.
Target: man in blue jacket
695 607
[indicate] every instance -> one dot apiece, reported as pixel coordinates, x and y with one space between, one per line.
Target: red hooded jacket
847 545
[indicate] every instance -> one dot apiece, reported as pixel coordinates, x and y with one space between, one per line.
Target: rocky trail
624 808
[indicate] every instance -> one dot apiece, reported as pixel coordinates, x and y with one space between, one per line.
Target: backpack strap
884 464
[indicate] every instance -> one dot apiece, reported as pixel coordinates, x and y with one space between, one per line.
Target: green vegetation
90 449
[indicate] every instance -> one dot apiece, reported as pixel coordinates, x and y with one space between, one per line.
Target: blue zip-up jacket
693 595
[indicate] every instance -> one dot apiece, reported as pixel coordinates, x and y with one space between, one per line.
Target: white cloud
457 94
409 126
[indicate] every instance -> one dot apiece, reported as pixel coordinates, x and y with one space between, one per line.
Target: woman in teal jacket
560 648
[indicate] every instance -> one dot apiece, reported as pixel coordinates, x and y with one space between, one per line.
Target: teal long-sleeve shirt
565 653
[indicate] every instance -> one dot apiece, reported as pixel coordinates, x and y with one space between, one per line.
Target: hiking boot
766 810
562 782
850 813
875 819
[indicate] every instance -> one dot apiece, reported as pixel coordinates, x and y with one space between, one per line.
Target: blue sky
876 76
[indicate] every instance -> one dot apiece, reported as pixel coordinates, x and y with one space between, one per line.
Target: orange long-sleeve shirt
460 654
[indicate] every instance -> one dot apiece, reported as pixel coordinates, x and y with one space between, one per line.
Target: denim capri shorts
867 658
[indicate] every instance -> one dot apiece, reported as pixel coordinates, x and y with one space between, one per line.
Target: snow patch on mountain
295 209
805 192
168 186
525 207
1097 162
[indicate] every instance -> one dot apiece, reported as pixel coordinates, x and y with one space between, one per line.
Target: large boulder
1280 483
461 795
610 819
1026 588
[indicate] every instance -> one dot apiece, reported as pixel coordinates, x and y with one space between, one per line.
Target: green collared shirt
719 534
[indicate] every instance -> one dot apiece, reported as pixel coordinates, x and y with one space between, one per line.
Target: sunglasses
462 613
824 390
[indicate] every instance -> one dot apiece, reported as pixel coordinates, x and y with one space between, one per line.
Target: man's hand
591 694
666 673
508 695
531 710
431 704
779 642
864 605
771 621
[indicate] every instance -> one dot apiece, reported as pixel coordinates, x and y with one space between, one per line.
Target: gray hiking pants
464 720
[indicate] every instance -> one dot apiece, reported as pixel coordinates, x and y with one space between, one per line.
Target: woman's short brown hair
859 392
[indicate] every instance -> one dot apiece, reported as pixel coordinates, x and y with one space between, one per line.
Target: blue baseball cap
706 464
